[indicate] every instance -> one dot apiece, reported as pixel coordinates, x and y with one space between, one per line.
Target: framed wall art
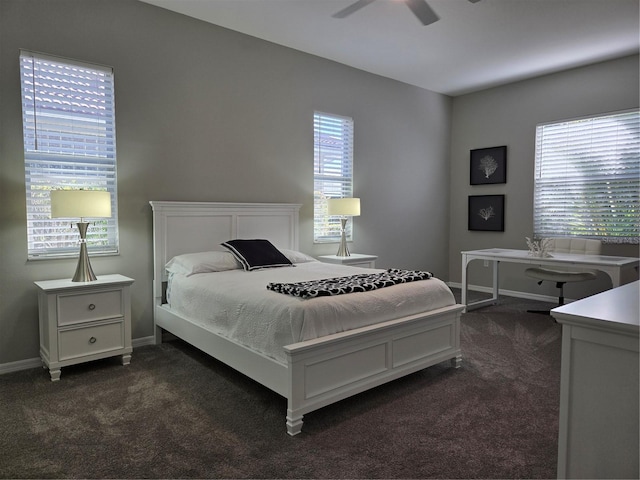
488 165
486 213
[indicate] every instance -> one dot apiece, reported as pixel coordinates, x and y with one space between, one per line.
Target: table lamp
343 208
81 204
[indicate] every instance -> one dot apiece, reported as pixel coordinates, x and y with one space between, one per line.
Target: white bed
311 372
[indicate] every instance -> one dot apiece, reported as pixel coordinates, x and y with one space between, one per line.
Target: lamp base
84 272
343 251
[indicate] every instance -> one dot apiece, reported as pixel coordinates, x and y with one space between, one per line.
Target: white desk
615 267
598 423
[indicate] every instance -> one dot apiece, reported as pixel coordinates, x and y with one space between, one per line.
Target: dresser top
616 309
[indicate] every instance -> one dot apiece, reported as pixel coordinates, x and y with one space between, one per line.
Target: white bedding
237 304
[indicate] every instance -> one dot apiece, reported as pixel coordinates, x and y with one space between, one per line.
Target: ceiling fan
420 9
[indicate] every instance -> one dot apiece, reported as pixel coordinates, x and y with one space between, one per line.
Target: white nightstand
84 321
355 259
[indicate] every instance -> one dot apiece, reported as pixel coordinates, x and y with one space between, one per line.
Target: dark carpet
177 413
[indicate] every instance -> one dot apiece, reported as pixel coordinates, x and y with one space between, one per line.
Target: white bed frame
318 372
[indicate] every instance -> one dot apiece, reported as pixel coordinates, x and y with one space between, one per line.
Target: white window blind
587 178
333 171
69 143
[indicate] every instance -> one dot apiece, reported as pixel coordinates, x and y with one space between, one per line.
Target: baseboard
20 365
37 363
511 293
142 341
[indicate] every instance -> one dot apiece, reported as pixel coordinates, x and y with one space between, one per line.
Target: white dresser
355 259
598 430
83 321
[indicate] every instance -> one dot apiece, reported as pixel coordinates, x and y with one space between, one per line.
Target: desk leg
613 273
481 303
615 278
496 282
464 279
618 275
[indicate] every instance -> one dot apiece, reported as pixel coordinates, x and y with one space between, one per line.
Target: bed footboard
327 370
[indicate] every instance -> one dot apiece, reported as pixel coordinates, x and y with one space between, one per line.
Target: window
69 143
586 178
333 172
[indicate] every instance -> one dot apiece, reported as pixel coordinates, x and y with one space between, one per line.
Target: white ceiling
472 47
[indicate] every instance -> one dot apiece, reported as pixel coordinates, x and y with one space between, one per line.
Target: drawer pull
92 306
93 340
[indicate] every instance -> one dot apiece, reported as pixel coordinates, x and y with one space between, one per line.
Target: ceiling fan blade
423 11
354 7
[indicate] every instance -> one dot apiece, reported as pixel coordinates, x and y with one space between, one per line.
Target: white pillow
202 262
297 257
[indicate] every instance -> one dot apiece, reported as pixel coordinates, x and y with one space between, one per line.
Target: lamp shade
80 204
343 207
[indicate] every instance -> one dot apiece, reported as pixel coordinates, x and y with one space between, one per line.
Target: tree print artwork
486 213
488 165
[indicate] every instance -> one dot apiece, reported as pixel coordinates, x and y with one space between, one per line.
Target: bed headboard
188 227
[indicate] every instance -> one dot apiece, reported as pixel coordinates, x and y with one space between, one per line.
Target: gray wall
207 114
508 115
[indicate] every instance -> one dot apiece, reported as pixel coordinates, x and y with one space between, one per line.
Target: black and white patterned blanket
349 284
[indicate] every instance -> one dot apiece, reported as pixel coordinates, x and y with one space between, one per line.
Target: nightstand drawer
363 264
355 260
80 342
84 307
